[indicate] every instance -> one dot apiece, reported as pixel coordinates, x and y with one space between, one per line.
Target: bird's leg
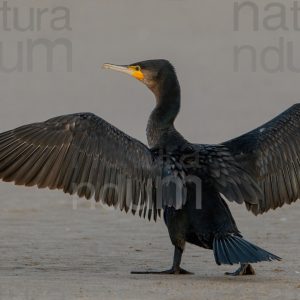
175 268
176 263
244 269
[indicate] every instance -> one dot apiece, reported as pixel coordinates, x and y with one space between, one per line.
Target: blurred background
238 63
200 38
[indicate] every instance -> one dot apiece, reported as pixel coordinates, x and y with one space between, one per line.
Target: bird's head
153 73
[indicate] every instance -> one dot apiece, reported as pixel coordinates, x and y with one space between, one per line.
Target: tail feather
233 250
243 252
221 254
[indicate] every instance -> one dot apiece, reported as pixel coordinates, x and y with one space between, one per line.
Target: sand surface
49 250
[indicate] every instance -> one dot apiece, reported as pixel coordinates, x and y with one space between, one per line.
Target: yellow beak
130 70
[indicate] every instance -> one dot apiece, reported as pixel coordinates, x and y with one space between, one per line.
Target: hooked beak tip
105 66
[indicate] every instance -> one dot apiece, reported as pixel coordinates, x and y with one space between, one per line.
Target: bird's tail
233 249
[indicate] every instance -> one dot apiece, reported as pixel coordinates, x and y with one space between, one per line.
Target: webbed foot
174 271
244 269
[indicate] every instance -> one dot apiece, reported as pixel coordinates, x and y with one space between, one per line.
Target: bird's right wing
81 153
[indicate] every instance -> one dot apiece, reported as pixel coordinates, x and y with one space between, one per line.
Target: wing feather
270 154
81 153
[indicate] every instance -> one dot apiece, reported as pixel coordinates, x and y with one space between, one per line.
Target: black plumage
81 153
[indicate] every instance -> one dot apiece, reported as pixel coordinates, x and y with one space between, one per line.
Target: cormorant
81 153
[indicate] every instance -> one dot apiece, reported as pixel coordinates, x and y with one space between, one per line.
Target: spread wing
81 153
271 154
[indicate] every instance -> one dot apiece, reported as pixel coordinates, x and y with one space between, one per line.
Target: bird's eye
137 68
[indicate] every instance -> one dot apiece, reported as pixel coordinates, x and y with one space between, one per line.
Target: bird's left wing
81 153
271 155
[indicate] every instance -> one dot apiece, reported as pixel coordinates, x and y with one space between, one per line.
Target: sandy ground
49 250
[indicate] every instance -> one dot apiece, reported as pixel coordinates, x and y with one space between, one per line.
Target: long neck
161 121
